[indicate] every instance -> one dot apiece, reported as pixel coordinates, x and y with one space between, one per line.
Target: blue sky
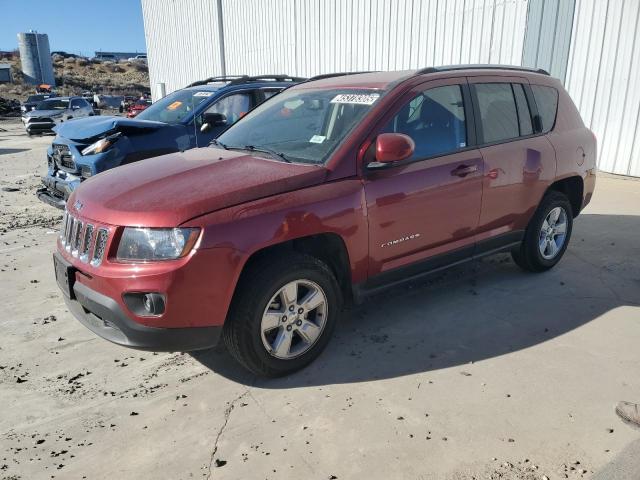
76 26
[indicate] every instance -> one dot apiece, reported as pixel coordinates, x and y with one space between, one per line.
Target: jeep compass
325 194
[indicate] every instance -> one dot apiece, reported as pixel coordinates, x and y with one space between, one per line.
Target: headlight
148 244
101 145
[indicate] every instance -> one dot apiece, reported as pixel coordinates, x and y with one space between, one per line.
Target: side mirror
392 147
211 119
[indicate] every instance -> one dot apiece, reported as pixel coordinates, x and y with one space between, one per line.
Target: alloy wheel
553 233
294 319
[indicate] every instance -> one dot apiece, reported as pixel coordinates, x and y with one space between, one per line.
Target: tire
536 253
260 302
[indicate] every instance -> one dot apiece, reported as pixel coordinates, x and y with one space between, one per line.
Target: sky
75 26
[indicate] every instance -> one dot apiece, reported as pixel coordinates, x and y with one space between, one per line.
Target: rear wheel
283 314
547 234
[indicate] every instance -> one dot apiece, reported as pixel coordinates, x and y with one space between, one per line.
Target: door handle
464 170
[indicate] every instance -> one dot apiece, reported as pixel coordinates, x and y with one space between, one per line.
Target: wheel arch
328 247
573 187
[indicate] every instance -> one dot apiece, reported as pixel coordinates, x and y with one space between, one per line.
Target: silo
36 58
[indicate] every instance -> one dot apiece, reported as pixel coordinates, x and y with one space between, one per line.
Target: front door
429 204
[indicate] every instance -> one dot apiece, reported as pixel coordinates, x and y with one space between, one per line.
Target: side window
547 102
498 113
74 104
267 94
524 115
232 106
435 121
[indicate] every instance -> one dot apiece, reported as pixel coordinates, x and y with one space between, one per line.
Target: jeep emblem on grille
77 205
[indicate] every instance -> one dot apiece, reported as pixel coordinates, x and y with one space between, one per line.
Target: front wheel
547 234
283 314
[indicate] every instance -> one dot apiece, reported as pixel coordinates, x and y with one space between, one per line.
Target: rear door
519 162
429 204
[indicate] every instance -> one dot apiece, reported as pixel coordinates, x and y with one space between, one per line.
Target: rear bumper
104 317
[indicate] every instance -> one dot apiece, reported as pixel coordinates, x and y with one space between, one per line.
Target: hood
43 113
91 127
169 190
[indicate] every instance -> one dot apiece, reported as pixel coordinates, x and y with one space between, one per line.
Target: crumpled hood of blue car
92 127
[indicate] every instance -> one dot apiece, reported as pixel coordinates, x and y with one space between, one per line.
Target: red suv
328 192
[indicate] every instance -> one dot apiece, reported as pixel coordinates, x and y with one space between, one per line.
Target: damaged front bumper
57 188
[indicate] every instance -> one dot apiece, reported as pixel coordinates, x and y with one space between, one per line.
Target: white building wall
603 76
310 37
592 45
182 41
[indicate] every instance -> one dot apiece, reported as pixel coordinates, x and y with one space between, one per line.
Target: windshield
175 107
53 104
37 98
301 125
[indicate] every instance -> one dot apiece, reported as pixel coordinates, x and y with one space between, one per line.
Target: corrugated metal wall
593 45
603 75
548 35
182 41
309 37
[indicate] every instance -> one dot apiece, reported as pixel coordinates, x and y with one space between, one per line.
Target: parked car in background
138 107
139 58
33 100
322 196
55 111
127 102
184 119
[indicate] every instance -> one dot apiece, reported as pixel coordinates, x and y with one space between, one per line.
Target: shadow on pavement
6 151
476 311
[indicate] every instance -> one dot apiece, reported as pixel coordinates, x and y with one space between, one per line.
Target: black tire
528 255
242 330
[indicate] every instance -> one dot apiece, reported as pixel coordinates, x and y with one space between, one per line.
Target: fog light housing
85 171
145 304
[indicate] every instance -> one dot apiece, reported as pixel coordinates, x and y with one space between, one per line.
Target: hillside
75 75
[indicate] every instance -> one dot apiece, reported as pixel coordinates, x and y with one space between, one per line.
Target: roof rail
446 68
239 79
338 74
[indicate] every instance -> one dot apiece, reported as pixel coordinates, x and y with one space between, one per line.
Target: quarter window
435 121
547 102
498 113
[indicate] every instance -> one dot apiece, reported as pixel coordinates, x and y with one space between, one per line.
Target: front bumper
56 190
104 317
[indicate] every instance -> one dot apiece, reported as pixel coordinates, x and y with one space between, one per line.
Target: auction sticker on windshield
203 94
356 98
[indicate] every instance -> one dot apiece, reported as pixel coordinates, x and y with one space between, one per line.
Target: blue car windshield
175 107
301 125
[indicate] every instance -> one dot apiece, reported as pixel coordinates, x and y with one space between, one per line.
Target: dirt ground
485 372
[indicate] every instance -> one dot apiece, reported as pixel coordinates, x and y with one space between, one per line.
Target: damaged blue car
184 119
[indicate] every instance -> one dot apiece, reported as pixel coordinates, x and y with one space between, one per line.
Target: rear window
498 112
547 102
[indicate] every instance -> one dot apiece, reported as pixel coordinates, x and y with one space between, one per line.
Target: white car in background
54 111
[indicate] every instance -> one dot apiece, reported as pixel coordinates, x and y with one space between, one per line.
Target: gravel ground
484 372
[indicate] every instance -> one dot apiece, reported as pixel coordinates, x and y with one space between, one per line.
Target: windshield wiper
219 144
268 151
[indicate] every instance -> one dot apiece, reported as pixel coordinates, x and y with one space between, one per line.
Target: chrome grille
86 243
69 233
76 236
63 228
100 247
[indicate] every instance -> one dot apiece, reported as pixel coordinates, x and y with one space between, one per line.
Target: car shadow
6 151
479 310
